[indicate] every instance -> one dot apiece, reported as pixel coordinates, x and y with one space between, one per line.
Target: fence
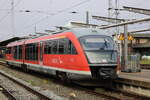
133 64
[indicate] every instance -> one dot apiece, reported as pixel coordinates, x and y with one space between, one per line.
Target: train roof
78 32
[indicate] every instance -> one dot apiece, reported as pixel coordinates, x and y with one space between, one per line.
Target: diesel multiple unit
79 51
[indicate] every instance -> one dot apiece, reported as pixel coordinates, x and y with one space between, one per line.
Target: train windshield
97 43
99 49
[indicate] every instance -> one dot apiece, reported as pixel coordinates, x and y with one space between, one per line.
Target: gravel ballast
48 85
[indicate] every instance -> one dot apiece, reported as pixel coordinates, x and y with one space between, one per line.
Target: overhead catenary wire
19 1
38 11
74 6
6 15
58 12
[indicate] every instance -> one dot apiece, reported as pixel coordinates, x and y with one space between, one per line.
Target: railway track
7 93
93 92
114 95
15 89
111 93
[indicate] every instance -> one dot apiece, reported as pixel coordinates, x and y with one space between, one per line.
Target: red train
79 51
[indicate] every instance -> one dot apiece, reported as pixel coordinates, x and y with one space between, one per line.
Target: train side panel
75 63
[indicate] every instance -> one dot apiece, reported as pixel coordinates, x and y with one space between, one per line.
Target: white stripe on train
47 69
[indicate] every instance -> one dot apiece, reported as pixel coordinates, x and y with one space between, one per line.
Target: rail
105 95
8 93
17 81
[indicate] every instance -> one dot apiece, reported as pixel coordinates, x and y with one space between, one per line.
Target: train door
23 53
41 53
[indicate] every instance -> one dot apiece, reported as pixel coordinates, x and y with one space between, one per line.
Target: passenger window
62 46
50 47
8 50
31 51
71 49
54 47
17 52
59 46
47 47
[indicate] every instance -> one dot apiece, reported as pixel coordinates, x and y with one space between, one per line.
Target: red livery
78 51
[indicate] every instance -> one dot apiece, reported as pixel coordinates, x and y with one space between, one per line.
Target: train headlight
97 60
94 60
104 61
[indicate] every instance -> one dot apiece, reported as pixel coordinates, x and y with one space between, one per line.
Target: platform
137 83
141 79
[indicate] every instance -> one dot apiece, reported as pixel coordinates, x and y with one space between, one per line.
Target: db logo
55 61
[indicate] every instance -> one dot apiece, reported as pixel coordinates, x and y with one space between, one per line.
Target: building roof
79 32
142 45
5 42
138 35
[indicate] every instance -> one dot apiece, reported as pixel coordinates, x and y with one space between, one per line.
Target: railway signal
130 37
121 37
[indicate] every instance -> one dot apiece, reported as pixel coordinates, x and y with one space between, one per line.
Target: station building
141 44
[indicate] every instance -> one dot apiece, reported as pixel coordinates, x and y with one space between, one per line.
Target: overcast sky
45 14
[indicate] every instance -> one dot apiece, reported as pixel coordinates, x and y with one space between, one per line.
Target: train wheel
62 76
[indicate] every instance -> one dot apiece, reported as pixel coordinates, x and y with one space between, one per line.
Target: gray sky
45 14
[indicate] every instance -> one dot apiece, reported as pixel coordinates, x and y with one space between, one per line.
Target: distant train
79 51
2 52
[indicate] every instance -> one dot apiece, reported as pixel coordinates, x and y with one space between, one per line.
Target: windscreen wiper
104 45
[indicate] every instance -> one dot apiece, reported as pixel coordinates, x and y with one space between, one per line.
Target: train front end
101 53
